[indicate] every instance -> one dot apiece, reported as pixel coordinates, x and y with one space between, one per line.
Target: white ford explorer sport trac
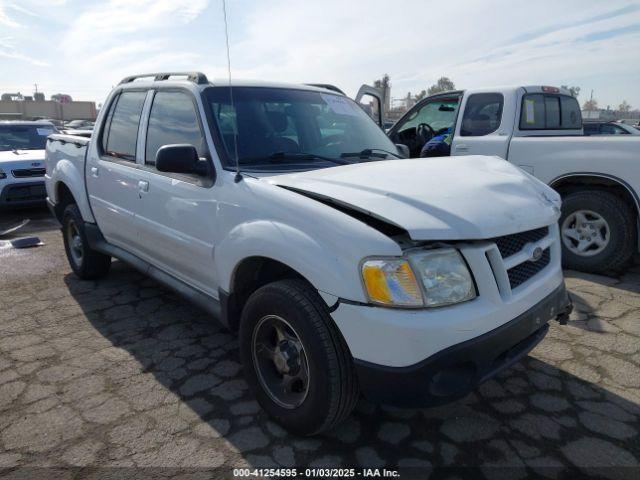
286 212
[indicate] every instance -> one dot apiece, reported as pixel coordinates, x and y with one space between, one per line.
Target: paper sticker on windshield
529 112
45 132
339 105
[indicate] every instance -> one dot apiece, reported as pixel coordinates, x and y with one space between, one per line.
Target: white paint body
201 234
551 155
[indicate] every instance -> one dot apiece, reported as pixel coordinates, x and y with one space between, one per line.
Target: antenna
238 176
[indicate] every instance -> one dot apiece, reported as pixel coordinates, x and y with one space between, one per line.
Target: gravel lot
121 372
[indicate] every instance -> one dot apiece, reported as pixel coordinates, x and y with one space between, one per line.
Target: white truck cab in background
342 266
539 129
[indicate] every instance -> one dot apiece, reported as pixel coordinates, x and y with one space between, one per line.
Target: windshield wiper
278 157
370 153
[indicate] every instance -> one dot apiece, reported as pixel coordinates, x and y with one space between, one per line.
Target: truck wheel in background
295 359
598 232
86 263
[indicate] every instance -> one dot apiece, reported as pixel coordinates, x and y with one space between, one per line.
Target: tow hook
563 317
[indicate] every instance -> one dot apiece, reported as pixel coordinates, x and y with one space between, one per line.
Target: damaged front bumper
455 371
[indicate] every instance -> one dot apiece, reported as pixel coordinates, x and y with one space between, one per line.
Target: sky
84 47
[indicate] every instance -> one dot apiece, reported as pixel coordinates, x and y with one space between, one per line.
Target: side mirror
179 159
403 149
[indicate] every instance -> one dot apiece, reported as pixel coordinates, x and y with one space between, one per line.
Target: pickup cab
287 214
539 129
22 162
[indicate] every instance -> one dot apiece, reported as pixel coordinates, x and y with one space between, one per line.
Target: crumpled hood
22 159
443 198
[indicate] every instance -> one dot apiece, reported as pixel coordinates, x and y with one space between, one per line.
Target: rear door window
549 112
482 114
122 133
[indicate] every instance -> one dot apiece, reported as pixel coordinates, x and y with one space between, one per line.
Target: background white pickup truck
539 129
342 266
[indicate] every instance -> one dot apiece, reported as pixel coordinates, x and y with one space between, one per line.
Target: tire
620 224
85 262
331 387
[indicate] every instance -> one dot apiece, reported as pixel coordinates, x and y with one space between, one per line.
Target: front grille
523 272
28 172
23 193
512 244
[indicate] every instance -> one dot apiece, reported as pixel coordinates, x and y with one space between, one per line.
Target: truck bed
551 157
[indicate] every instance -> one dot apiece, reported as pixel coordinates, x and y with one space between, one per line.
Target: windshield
24 137
281 128
438 114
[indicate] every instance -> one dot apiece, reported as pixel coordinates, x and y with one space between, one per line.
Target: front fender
326 270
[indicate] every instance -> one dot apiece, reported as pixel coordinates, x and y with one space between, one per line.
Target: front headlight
429 278
391 282
444 275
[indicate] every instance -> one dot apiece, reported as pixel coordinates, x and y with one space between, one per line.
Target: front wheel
295 359
598 232
86 263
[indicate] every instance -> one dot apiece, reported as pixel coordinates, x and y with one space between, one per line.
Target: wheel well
568 185
64 197
251 274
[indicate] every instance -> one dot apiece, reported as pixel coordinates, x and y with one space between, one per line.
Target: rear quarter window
549 112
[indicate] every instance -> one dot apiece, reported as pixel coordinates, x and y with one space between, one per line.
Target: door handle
143 186
94 172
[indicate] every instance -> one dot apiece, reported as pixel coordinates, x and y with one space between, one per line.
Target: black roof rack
327 86
196 77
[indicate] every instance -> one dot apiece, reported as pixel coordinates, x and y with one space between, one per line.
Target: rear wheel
598 232
86 263
295 359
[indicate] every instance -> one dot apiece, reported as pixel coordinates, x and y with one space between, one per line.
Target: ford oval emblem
536 254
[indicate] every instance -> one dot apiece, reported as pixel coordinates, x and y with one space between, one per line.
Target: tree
575 91
624 107
419 96
443 84
590 105
384 84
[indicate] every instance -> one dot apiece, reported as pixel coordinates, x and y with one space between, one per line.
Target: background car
22 168
608 128
59 124
79 125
